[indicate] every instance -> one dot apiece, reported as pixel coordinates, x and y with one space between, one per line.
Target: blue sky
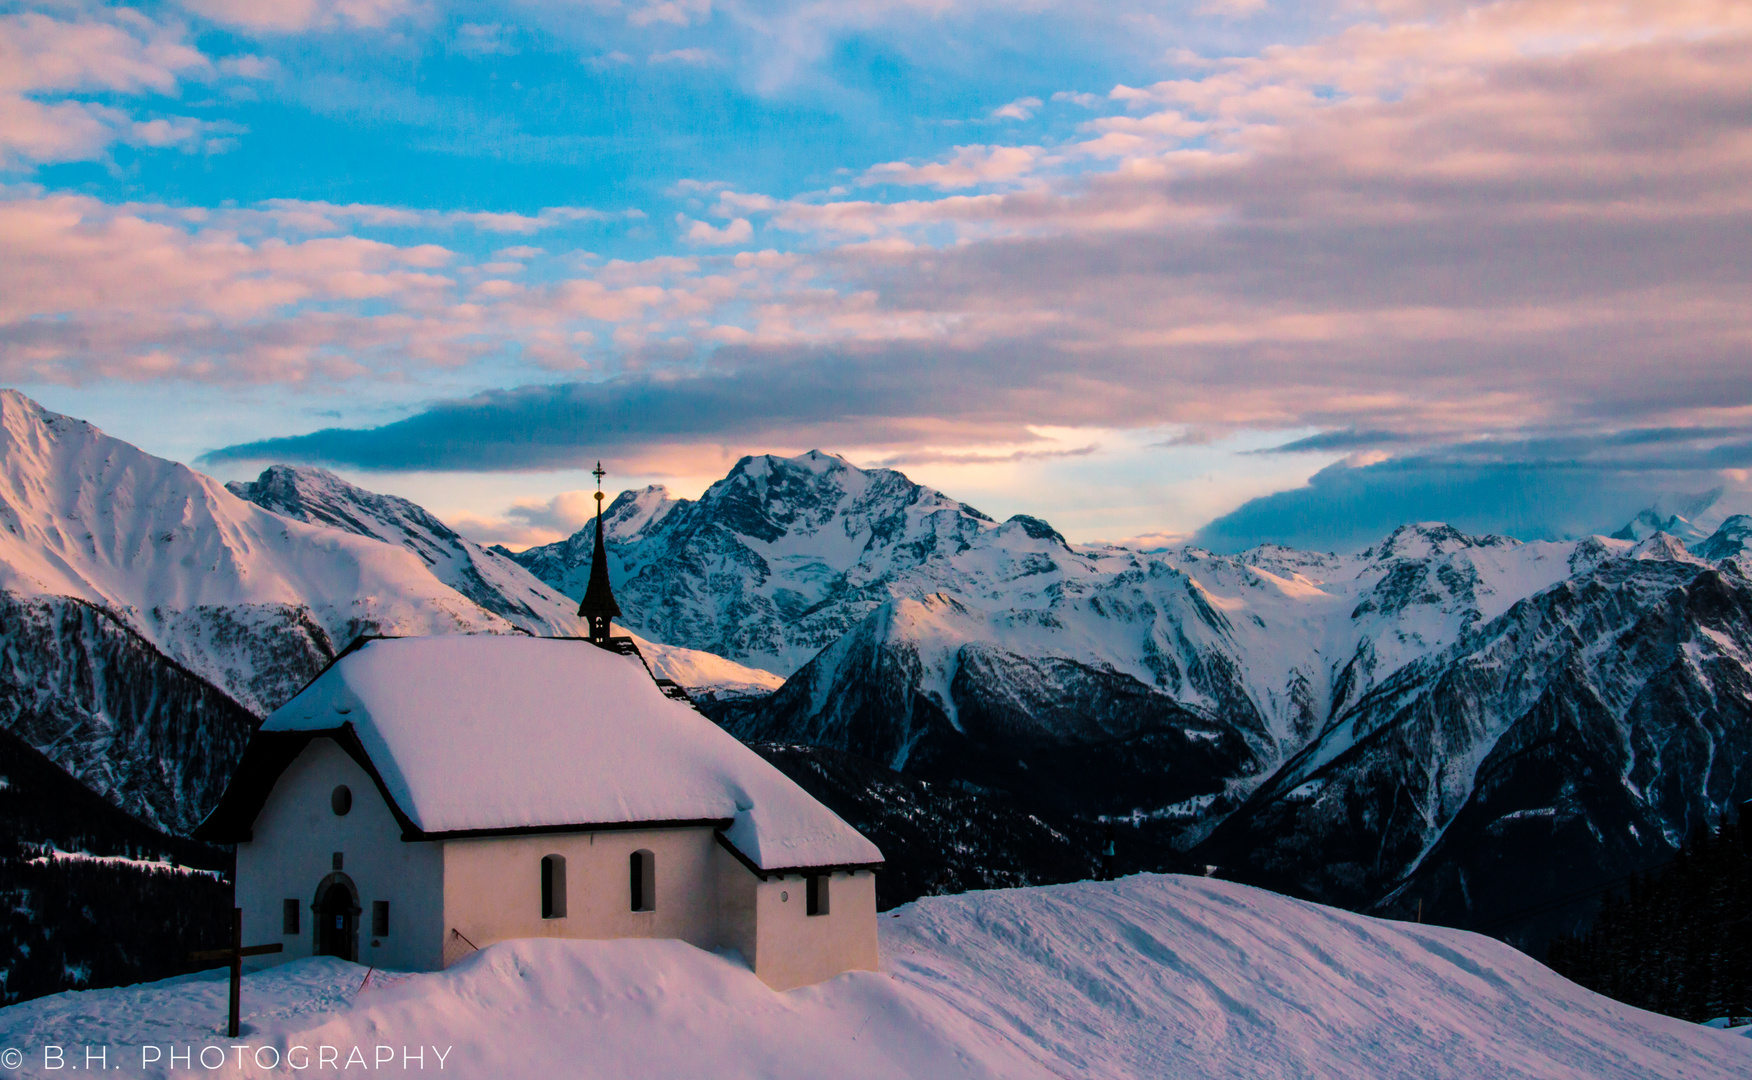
1094 262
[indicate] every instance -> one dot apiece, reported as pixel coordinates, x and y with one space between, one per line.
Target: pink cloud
43 57
294 16
738 231
1459 221
969 166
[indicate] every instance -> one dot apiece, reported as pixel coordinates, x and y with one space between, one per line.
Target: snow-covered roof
487 733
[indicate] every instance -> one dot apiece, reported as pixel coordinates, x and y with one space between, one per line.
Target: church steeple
598 606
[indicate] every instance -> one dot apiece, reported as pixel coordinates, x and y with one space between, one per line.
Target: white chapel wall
292 851
492 886
795 948
737 892
489 889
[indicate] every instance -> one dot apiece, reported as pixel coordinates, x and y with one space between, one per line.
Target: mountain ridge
1210 699
1357 728
152 615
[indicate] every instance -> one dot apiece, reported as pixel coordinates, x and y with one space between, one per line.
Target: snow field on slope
705 672
1148 977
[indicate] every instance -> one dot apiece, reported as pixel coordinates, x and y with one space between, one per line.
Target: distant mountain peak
313 494
1686 516
1036 529
635 510
1729 540
1665 547
1428 539
493 581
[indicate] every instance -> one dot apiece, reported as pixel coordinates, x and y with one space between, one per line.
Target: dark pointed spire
598 606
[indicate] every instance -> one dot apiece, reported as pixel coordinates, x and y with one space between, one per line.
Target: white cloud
293 16
45 58
1087 101
970 166
40 54
32 132
673 12
684 56
739 231
1231 8
250 67
322 217
483 39
1020 109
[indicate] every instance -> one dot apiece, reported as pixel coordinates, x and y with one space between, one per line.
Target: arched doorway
337 917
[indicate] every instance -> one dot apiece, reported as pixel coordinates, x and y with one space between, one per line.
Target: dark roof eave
571 827
780 871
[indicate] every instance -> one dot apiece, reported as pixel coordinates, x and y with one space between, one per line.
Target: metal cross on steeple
598 608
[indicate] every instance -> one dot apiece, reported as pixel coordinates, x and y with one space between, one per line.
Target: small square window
380 918
289 916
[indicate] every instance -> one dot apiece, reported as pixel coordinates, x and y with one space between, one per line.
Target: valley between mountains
1474 724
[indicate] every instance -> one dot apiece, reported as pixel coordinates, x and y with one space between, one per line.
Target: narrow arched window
817 895
553 887
644 881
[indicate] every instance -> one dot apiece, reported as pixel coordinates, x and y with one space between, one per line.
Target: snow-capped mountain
1580 735
148 615
1690 518
1365 728
925 686
1381 701
247 599
906 609
772 563
485 576
151 612
1728 541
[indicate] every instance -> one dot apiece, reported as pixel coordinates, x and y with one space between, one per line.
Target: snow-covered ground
1151 976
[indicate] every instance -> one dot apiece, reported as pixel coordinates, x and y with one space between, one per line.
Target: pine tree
1679 940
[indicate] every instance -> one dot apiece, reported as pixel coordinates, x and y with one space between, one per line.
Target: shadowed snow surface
1151 976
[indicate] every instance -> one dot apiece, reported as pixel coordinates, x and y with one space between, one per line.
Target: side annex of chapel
426 797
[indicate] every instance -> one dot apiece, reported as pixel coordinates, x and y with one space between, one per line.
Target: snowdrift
1152 976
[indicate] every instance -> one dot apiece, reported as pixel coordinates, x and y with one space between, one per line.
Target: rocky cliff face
919 686
1578 737
105 704
1467 721
148 616
774 562
1473 722
897 610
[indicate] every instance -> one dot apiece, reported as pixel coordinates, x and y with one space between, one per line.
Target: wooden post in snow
235 955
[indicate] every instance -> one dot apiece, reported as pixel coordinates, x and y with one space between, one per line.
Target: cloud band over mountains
1416 224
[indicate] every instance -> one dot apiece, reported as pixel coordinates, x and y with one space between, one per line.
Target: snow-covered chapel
425 797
